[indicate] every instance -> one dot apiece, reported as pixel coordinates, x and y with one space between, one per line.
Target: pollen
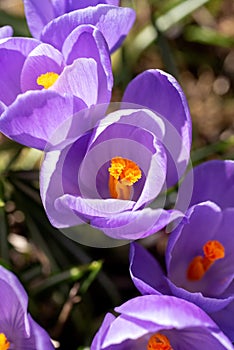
123 174
213 250
159 341
4 343
47 80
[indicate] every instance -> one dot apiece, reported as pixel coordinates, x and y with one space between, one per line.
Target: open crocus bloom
199 255
159 323
17 328
34 74
52 21
104 170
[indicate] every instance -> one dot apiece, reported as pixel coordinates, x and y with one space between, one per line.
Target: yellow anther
123 174
47 80
4 343
159 341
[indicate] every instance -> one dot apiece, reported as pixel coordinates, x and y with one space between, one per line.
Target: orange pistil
123 174
47 80
4 343
213 250
159 341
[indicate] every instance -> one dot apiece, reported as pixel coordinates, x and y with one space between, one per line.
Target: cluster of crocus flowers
199 254
17 328
106 168
155 322
133 143
65 76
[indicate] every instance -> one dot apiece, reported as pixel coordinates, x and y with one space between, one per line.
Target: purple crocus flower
108 171
199 254
159 323
34 75
52 21
17 328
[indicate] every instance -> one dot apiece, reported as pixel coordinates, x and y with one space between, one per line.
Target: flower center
123 174
4 343
159 341
213 250
47 80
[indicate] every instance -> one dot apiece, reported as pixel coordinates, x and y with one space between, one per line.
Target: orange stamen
159 341
123 174
213 250
4 343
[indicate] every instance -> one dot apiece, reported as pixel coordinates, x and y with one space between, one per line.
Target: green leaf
220 147
4 249
74 274
207 36
177 13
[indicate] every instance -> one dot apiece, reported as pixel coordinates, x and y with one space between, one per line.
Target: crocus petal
79 79
212 180
33 118
74 5
104 17
207 304
38 14
12 294
2 107
100 335
87 42
13 52
43 59
146 273
51 187
92 207
6 32
10 68
171 312
136 224
160 92
224 319
41 339
63 6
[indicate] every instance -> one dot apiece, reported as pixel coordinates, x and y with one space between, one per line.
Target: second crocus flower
159 323
199 254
